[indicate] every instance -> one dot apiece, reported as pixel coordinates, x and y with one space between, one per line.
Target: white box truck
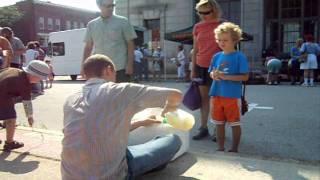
65 51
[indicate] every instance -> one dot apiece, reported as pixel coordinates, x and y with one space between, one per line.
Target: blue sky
84 4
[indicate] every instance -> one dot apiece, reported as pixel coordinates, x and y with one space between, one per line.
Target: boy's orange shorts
225 110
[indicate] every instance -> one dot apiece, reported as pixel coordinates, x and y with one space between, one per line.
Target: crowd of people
97 120
303 64
18 56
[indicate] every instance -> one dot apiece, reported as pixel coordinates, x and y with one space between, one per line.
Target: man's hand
150 121
144 122
168 108
30 121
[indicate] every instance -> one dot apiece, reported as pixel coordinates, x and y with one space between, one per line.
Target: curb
44 131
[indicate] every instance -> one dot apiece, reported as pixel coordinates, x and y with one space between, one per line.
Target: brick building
40 18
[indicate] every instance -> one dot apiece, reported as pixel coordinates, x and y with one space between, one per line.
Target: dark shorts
7 113
203 74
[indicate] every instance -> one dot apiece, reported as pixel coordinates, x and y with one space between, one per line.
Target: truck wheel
73 77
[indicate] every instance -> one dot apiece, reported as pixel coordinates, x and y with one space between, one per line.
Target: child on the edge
228 69
50 77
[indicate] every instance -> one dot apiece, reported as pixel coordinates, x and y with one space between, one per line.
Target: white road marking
255 106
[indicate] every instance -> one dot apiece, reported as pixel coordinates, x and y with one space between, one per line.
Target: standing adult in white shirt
30 54
138 56
181 59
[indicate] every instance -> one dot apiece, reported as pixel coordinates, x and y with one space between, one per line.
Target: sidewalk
40 159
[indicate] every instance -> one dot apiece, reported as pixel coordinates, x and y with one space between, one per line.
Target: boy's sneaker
12 145
203 132
304 84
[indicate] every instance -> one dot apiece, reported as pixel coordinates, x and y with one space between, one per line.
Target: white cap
37 68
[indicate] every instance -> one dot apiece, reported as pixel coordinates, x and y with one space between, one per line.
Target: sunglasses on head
204 12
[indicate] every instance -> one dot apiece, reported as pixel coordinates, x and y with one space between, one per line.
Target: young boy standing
228 69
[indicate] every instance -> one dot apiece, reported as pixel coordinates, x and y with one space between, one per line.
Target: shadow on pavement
174 170
276 172
17 166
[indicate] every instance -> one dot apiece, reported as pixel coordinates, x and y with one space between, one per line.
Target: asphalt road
284 123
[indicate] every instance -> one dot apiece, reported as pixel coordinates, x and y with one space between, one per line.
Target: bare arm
173 101
6 51
194 58
86 52
242 77
145 122
129 68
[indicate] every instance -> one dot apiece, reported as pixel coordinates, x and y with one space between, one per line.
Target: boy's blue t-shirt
231 64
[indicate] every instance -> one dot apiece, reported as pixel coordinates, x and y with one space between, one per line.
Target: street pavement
280 138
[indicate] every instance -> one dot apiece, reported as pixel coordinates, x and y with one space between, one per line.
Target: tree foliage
9 15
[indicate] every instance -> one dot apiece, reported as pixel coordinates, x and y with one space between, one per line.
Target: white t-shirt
30 55
181 57
138 56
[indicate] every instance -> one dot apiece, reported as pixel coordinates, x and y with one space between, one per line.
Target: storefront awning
184 36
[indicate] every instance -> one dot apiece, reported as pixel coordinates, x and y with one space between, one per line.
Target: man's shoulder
94 21
16 39
120 18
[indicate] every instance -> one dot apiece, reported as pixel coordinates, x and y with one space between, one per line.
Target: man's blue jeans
153 154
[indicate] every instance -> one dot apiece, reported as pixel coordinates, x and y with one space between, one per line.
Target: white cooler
144 134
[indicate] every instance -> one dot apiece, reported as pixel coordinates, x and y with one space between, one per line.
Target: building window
50 24
75 25
272 9
311 8
291 32
290 8
82 25
154 26
287 20
231 10
58 24
41 23
68 25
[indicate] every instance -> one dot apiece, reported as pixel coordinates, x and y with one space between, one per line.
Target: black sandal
12 145
2 125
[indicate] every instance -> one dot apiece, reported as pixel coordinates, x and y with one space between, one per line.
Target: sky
83 4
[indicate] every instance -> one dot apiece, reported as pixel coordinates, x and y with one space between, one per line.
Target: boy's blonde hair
210 4
228 27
